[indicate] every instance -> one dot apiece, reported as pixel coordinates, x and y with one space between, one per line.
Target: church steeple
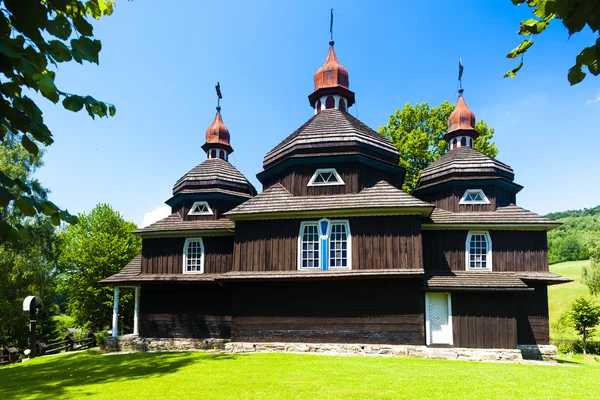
331 83
461 123
217 135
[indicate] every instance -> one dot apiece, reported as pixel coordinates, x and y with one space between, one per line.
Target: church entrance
438 318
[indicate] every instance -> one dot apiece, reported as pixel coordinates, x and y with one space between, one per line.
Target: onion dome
331 85
217 139
461 125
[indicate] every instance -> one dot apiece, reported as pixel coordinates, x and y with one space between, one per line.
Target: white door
438 318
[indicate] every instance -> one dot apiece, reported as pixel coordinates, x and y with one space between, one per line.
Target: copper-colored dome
332 73
461 118
217 132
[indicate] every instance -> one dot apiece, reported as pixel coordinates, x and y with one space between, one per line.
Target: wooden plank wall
533 325
165 255
218 206
377 243
484 320
448 198
186 311
349 311
355 176
511 250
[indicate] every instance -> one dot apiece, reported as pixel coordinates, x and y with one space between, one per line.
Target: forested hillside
577 237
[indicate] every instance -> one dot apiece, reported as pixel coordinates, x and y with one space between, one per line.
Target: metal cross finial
331 25
460 72
219 96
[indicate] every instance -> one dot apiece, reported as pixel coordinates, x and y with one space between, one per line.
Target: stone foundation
132 343
540 353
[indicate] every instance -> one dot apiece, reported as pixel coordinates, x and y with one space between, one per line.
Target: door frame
427 322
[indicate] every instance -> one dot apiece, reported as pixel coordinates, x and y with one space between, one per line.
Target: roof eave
424 211
490 226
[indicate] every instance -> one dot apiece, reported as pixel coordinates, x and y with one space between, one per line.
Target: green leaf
55 218
5 196
5 180
112 110
59 27
533 27
45 84
49 208
522 48
29 145
73 103
513 72
84 27
594 67
87 49
41 133
26 205
575 75
22 185
59 51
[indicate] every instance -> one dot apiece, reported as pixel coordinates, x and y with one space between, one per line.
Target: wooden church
333 251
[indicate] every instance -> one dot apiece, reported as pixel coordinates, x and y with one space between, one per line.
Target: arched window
463 141
221 154
479 251
319 106
342 106
454 143
193 256
213 153
330 102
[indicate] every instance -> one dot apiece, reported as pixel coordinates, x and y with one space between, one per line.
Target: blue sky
160 62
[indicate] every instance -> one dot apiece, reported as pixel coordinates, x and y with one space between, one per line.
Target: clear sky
161 60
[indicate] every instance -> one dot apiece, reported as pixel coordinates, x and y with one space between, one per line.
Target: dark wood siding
218 207
165 255
449 197
511 250
377 243
346 311
355 176
532 316
186 311
484 320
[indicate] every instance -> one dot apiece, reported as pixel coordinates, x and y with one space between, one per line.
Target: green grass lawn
561 296
289 376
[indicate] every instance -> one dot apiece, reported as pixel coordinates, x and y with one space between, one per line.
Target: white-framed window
326 177
478 251
200 208
193 256
474 196
324 245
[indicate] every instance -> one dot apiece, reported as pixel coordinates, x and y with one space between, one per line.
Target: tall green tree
575 15
417 131
28 265
35 36
590 276
585 315
98 246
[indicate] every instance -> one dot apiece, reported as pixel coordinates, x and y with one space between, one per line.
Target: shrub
576 346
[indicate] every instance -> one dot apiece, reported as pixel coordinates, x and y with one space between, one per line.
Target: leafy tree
590 276
585 315
575 15
417 131
578 238
27 265
35 36
97 247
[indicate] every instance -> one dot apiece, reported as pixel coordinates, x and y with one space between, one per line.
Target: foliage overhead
35 36
100 245
585 315
575 16
417 131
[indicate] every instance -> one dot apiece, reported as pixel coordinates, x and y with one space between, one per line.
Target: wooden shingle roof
328 130
464 163
539 276
174 224
378 199
128 273
475 280
211 173
508 215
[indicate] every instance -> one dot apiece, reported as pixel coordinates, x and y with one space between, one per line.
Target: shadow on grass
54 376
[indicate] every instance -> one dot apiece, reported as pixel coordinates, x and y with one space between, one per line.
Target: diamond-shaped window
200 208
474 196
324 177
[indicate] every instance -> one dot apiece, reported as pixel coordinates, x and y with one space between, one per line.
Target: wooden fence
68 344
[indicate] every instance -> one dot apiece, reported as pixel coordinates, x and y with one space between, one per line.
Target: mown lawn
561 296
289 376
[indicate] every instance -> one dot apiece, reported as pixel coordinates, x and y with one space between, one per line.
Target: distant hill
574 238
